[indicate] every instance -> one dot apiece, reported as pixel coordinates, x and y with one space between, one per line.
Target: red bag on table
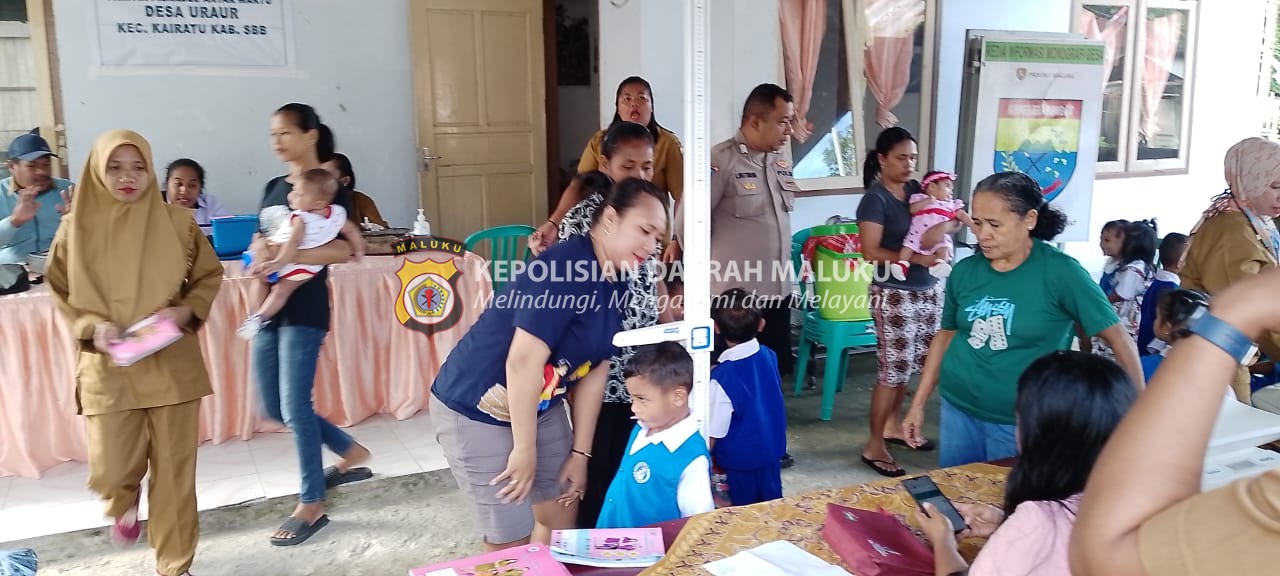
875 543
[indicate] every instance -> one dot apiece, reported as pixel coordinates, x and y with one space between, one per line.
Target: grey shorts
477 452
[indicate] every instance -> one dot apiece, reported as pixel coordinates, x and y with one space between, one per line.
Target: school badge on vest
428 299
640 473
1039 138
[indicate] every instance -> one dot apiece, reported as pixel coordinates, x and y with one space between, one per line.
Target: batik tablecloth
798 519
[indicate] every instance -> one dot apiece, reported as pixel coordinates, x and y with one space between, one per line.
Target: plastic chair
836 336
504 245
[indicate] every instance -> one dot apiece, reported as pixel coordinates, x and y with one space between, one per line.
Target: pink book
143 339
533 560
609 548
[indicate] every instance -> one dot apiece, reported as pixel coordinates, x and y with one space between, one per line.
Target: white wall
955 19
1223 112
745 52
1223 102
646 38
352 65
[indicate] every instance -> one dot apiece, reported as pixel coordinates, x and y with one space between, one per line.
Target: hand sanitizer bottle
421 227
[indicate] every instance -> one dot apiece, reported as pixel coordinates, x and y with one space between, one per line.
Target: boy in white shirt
666 473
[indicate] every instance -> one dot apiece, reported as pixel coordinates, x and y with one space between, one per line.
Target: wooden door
479 89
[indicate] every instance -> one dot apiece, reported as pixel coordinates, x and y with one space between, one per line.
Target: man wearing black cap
32 200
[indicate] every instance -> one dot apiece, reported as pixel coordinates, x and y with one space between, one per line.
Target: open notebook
1233 447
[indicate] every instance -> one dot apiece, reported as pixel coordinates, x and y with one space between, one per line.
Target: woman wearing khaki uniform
1236 237
120 256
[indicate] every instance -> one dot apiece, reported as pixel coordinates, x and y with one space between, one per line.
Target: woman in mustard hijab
120 256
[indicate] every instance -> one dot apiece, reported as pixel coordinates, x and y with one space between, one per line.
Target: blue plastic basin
233 234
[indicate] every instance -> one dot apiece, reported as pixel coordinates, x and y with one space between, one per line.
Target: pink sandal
126 529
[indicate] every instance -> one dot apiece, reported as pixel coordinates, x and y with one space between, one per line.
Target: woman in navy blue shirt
497 404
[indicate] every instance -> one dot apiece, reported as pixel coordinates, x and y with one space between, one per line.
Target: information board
192 33
1032 103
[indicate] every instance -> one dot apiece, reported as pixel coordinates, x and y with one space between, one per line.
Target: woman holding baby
905 306
286 349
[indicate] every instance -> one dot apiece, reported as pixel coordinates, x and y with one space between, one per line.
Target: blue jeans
284 363
964 439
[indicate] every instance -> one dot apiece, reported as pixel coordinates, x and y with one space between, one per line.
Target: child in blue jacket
748 425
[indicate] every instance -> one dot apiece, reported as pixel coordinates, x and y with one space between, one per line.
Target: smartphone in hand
923 490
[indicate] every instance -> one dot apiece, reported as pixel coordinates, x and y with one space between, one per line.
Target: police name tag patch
640 473
745 175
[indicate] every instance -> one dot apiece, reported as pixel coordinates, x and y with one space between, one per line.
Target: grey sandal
300 529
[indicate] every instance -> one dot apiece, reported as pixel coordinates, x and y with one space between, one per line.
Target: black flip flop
300 529
882 471
926 447
333 478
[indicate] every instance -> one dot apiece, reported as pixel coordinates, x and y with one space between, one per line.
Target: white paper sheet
780 558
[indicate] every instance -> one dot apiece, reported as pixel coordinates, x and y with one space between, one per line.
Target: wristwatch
1223 335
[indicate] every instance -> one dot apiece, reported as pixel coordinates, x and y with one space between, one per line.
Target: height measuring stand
696 329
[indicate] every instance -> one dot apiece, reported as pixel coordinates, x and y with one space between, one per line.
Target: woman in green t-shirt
1016 300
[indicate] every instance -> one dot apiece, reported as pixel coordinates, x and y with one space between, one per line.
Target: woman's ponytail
871 169
326 145
1050 222
594 182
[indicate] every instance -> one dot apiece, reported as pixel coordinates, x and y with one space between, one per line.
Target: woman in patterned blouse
627 151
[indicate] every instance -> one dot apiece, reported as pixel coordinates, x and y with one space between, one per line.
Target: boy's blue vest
758 429
644 490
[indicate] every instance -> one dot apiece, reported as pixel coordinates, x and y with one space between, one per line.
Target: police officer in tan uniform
752 195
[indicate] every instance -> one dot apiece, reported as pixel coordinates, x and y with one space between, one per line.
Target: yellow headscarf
126 260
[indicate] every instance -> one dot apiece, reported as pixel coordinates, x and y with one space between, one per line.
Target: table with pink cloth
369 363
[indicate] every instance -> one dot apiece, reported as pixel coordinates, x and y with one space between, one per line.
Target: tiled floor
226 474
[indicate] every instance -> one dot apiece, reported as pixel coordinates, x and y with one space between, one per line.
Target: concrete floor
389 526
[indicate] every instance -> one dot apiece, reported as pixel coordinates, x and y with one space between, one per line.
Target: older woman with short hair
1015 300
1236 237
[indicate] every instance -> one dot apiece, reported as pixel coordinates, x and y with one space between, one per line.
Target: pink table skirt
369 364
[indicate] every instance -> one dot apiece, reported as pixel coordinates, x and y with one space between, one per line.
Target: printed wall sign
193 34
1032 103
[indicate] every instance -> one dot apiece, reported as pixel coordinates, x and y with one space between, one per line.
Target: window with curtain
1150 57
854 68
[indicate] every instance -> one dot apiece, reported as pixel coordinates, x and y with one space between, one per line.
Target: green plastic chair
837 337
503 246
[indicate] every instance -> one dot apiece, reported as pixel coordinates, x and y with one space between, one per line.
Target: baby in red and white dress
935 207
